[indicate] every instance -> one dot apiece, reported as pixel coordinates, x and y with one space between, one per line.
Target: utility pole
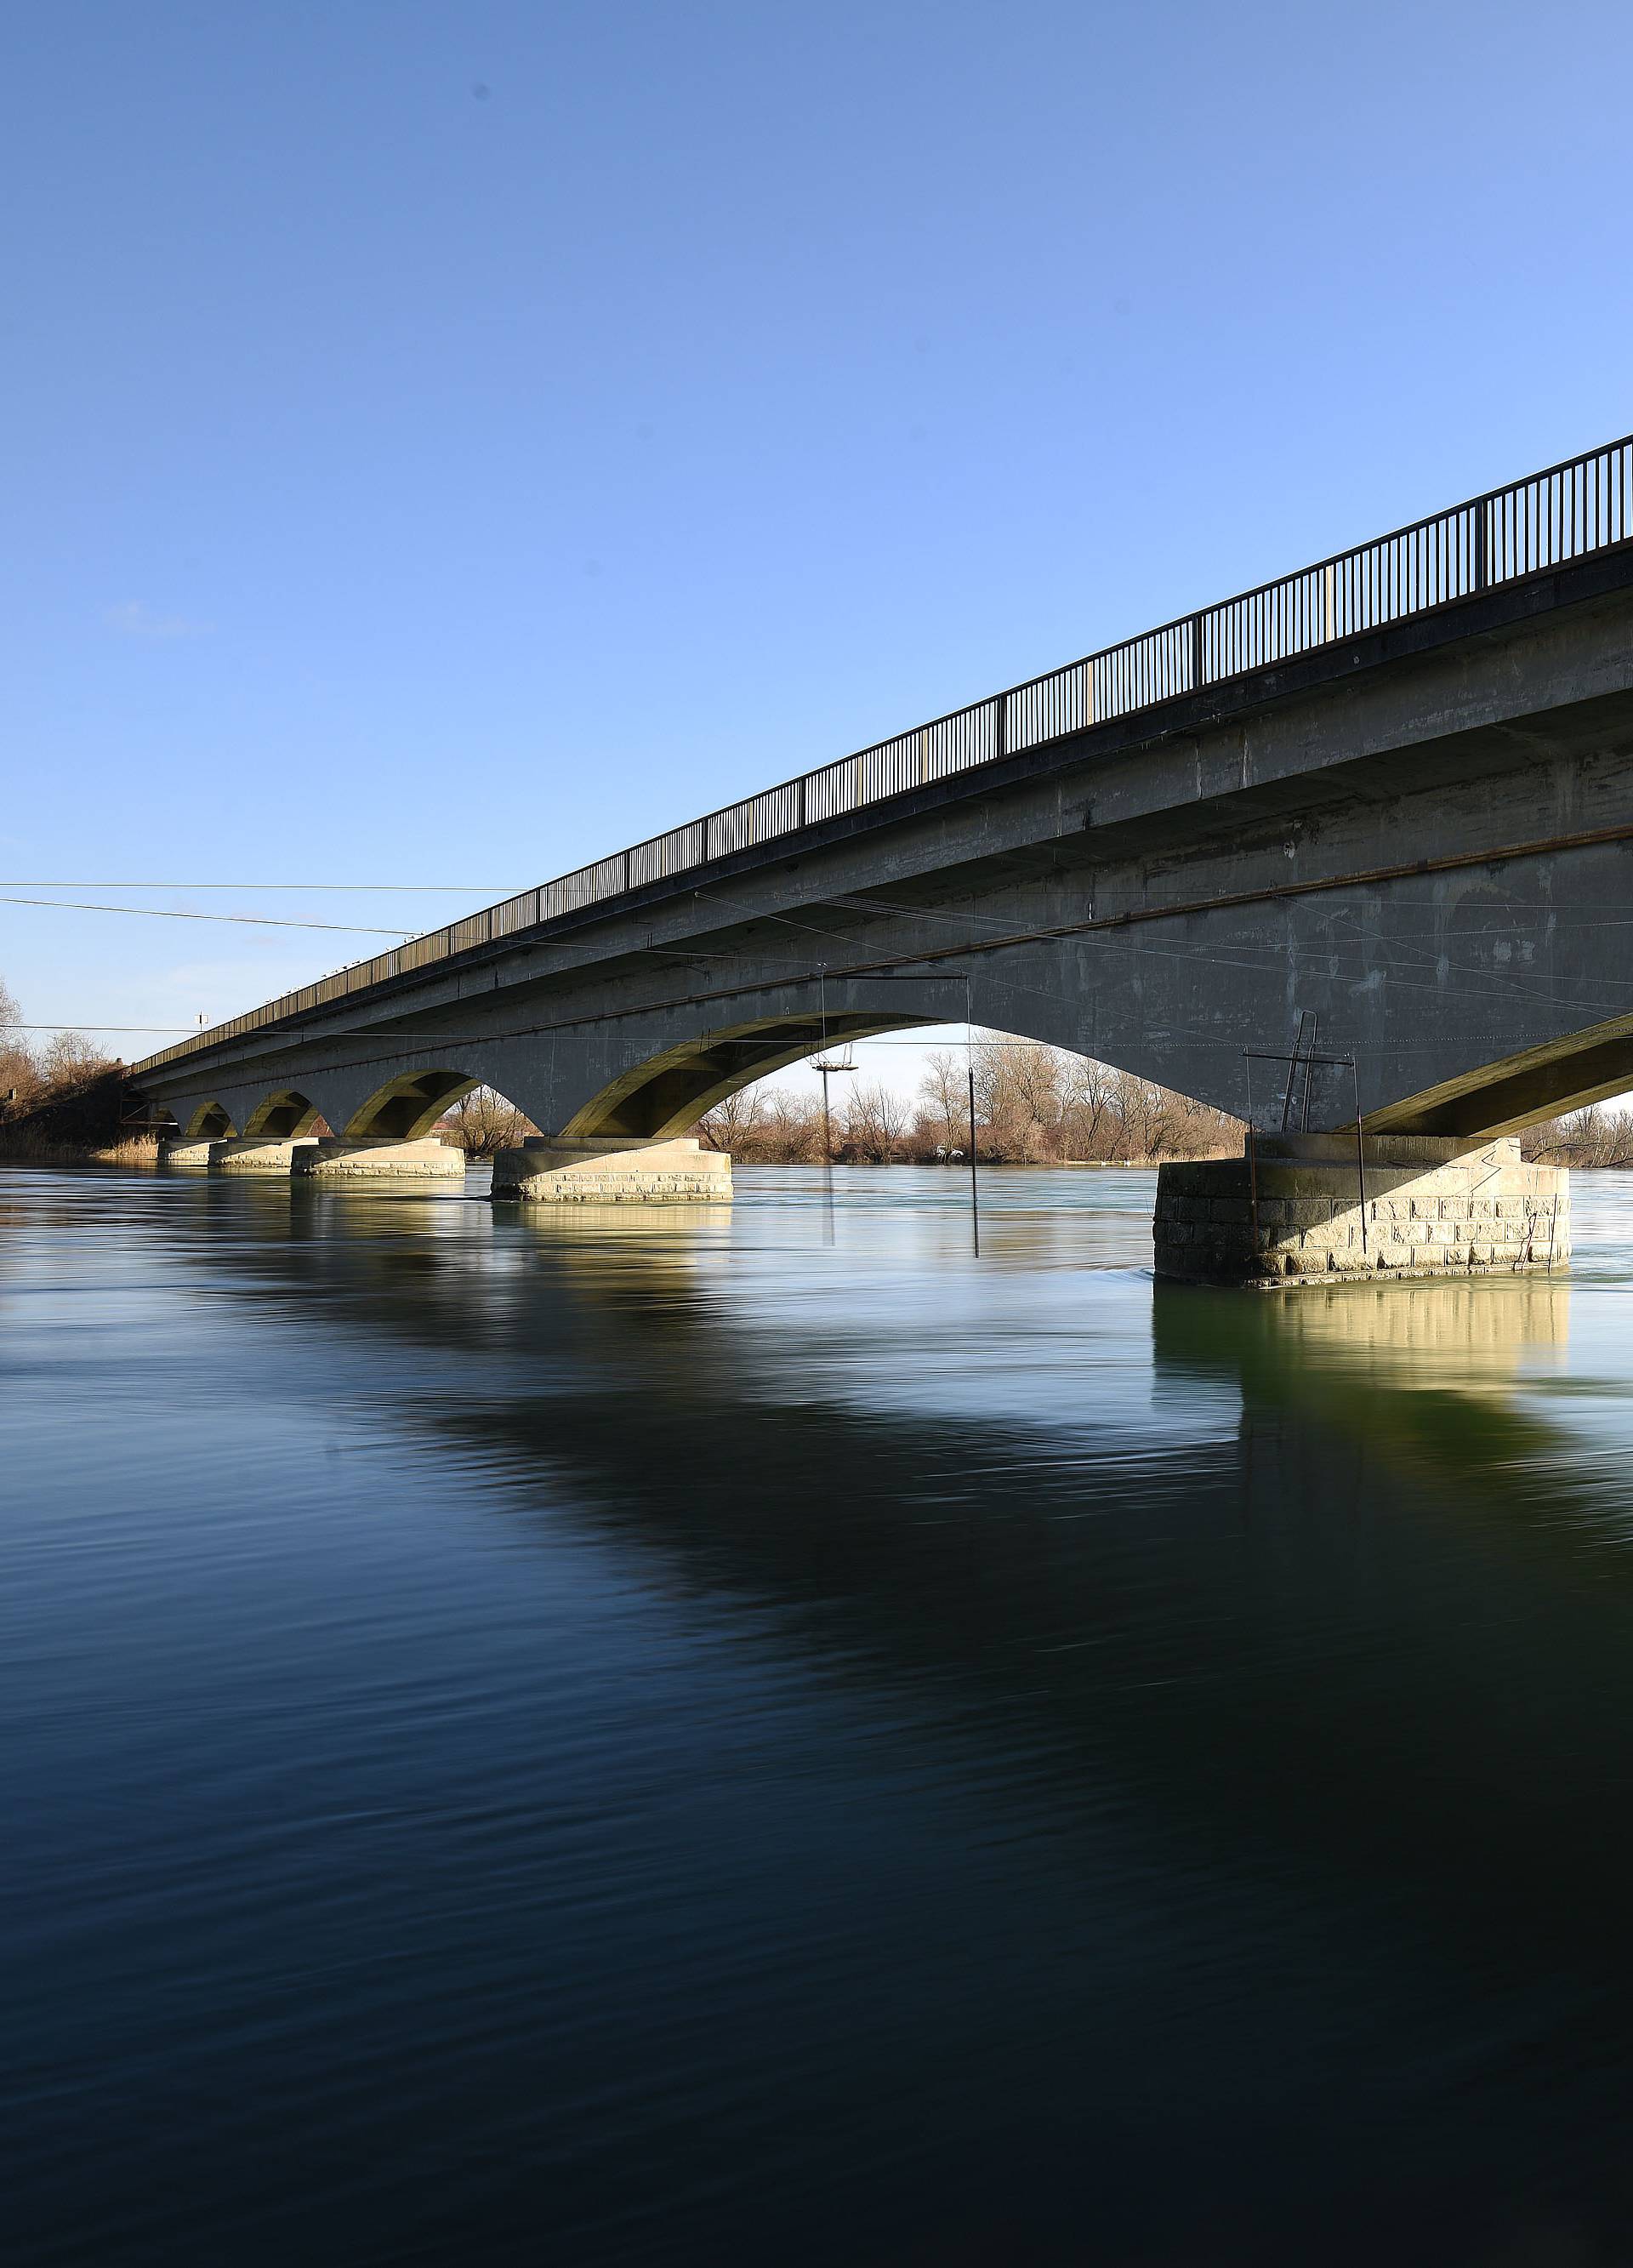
825 1067
969 1073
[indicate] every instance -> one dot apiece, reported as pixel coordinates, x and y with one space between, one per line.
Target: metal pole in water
1253 1158
969 1073
827 1130
974 1190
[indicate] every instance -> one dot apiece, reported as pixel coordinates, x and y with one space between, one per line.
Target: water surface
750 1734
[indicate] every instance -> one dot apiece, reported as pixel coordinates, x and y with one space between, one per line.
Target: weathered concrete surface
329 1158
663 1173
251 1153
179 1151
1291 1212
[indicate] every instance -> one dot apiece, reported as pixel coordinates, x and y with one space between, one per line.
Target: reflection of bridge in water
1337 1655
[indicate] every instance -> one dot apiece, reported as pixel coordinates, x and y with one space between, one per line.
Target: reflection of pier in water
1438 1336
1357 1387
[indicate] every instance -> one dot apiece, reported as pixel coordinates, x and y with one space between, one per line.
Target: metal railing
1570 510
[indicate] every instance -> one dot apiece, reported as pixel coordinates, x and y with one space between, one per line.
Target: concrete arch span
407 1108
209 1122
283 1114
662 1096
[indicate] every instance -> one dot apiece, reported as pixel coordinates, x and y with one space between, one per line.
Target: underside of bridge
203 1121
669 1093
1506 1096
282 1114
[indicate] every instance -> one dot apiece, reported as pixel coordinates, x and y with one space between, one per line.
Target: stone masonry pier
1290 1210
546 1171
179 1151
330 1158
256 1153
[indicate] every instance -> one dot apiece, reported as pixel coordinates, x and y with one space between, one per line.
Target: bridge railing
1582 505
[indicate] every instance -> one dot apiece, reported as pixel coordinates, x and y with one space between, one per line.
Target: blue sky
447 442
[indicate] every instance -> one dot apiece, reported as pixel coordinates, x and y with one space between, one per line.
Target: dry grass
134 1150
29 1147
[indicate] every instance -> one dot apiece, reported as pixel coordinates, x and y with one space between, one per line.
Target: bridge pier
556 1169
1291 1211
256 1154
176 1150
332 1158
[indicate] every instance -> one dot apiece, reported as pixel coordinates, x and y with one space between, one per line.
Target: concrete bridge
1387 801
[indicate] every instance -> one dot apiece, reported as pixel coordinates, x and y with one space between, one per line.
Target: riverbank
36 1149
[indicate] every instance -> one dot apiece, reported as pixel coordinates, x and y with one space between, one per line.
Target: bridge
1385 803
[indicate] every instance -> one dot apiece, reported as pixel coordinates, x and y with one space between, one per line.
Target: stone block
330 1158
1309 1212
256 1154
1420 1220
189 1154
660 1173
1234 1212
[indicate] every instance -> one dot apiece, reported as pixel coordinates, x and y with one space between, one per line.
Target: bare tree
1087 1094
19 1076
68 1060
791 1133
944 1105
1033 1104
734 1125
1016 1099
483 1122
875 1120
1587 1139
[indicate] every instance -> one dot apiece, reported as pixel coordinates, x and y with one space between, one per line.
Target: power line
162 913
430 889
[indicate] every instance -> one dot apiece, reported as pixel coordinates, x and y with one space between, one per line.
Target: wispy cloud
134 618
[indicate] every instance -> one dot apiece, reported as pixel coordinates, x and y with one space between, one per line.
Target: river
758 1737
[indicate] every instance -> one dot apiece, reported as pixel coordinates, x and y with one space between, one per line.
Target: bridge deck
1489 560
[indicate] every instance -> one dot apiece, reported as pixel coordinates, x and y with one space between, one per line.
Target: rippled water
753 1736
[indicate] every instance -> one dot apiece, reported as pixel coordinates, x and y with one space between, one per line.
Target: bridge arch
286 1112
670 1090
407 1108
209 1123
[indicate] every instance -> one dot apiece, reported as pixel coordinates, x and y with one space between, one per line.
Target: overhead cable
164 913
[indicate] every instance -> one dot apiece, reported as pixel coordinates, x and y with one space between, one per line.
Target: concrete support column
257 1154
1291 1212
331 1157
550 1169
176 1150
